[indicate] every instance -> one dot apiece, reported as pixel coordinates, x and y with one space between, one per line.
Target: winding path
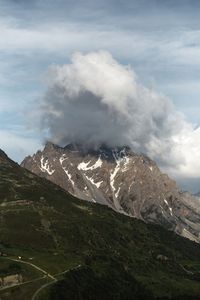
41 288
52 282
30 264
46 274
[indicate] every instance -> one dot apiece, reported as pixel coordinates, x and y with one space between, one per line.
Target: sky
158 39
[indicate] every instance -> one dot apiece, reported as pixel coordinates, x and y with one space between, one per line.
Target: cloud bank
94 100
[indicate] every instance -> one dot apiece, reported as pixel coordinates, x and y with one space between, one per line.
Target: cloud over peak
95 100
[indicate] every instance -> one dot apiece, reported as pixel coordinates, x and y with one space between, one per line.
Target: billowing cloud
95 100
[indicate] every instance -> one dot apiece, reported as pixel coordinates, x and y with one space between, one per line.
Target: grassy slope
118 254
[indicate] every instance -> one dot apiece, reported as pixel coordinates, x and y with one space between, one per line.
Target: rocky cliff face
127 182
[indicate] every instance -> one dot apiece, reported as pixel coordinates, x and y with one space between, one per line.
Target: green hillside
65 248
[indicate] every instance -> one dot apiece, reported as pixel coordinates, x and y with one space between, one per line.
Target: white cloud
187 146
53 38
95 100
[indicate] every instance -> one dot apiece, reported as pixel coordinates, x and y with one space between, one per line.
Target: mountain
3 155
54 246
121 179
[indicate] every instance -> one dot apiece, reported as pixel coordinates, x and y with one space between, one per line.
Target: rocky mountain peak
49 146
103 150
127 182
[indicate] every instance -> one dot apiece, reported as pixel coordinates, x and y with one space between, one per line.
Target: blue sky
160 39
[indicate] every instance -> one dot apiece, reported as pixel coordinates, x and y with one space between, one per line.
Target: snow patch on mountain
44 166
170 209
63 158
113 174
69 176
84 166
97 184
